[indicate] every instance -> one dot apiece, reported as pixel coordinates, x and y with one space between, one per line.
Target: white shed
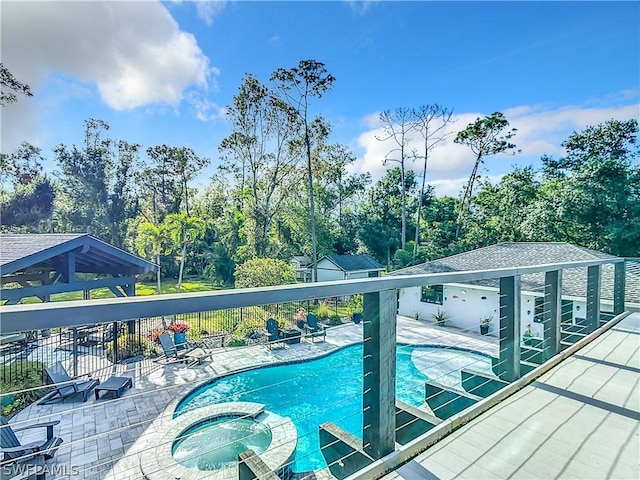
345 267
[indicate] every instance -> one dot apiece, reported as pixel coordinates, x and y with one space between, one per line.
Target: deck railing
139 317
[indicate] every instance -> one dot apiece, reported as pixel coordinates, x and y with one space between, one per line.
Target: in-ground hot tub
206 442
215 444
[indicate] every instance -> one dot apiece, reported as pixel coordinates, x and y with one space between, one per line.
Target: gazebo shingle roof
19 252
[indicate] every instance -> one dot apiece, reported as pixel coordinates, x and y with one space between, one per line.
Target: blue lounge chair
65 386
12 449
274 333
314 329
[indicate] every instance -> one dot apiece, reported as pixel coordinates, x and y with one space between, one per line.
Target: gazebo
46 264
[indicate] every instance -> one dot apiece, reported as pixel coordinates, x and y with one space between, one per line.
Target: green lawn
142 288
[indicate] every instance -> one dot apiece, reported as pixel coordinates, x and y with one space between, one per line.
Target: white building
346 267
466 304
301 264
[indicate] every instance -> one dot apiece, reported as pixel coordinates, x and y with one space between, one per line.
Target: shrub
248 328
355 304
236 341
300 315
128 346
21 377
264 272
323 311
335 320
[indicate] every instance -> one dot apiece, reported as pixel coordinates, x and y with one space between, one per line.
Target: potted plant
485 322
300 317
180 330
527 336
440 317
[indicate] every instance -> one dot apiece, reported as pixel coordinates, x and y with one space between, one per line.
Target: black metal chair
65 386
276 335
12 449
314 329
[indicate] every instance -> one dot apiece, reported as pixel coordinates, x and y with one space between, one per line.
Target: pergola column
552 312
379 371
69 268
510 296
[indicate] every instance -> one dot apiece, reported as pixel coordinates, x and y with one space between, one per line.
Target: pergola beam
43 290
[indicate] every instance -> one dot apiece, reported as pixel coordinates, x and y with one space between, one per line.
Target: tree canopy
284 187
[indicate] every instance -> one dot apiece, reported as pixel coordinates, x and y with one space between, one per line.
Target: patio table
115 385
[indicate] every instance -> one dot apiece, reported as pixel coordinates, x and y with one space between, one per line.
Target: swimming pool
329 389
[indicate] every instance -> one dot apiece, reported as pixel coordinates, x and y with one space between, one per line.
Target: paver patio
102 439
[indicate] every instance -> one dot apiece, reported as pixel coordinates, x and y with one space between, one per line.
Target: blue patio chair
65 386
12 449
275 335
315 329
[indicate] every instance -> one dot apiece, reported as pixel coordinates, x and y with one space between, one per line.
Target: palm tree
184 230
151 242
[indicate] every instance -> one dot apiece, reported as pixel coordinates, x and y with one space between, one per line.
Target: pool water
329 389
216 444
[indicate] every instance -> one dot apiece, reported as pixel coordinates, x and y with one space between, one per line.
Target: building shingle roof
514 254
352 263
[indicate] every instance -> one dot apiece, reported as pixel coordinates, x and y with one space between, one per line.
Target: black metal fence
91 348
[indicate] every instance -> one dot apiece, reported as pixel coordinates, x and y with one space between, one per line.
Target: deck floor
579 420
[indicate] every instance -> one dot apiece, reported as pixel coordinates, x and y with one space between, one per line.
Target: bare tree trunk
184 253
424 181
314 240
403 191
158 274
466 197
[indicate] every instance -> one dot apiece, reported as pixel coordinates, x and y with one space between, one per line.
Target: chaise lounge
65 386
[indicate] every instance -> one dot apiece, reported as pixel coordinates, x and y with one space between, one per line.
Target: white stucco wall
465 306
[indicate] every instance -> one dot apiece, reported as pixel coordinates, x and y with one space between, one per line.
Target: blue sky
163 72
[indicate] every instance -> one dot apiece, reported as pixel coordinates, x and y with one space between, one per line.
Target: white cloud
541 130
208 10
134 52
359 7
206 110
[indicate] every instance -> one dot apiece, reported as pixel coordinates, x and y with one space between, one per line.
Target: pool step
342 451
445 402
479 383
411 422
251 466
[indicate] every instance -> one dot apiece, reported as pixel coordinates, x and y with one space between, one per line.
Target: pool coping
158 463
